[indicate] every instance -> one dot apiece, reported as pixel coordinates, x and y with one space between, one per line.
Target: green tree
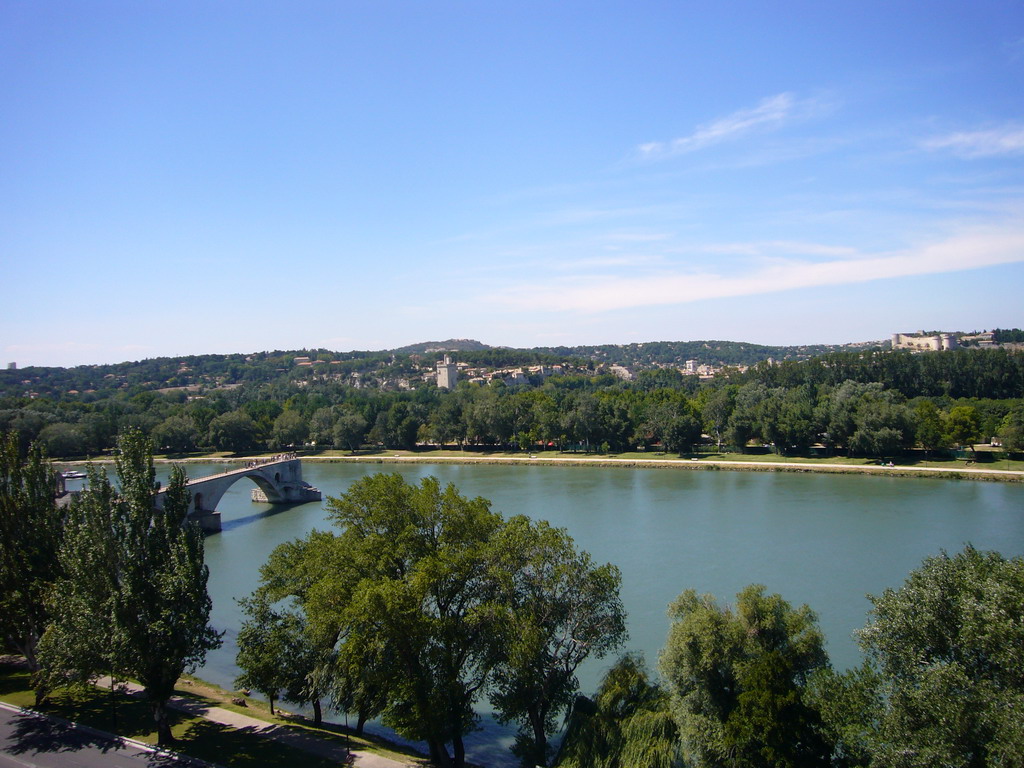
849 703
883 426
321 427
1012 429
716 412
446 423
962 426
737 678
264 649
310 670
233 431
928 426
628 724
948 645
289 429
425 597
349 430
64 440
133 599
31 528
564 609
176 434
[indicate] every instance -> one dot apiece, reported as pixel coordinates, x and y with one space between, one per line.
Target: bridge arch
278 481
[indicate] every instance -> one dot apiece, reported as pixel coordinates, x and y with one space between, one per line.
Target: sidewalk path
280 733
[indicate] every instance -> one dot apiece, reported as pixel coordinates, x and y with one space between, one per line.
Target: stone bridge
278 481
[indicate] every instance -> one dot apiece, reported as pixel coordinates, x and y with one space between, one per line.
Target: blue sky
195 177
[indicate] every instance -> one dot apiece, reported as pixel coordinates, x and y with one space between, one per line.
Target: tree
628 724
849 703
738 677
31 527
177 434
64 440
264 645
233 431
1012 429
289 429
962 425
563 610
928 426
424 598
948 647
308 668
349 430
321 427
133 600
716 411
883 426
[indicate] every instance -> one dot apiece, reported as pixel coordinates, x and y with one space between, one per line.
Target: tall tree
738 677
563 610
1012 429
133 600
948 645
31 527
962 425
263 643
425 598
233 431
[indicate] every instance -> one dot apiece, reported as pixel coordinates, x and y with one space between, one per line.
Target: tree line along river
824 540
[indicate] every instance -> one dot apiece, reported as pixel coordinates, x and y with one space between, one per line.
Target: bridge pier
209 520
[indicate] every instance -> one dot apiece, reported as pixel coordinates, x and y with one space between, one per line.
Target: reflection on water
824 540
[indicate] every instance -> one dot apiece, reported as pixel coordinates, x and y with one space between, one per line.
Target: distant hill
401 368
451 345
657 354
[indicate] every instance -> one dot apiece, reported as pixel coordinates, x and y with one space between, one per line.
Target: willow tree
133 601
627 724
738 679
949 646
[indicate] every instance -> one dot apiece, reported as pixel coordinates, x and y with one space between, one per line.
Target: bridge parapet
278 481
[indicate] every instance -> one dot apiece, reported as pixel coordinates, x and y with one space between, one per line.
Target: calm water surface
824 540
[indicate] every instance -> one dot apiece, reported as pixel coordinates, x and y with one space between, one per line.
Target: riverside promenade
1010 475
281 733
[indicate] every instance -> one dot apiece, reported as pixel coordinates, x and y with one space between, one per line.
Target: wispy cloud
1005 140
769 113
972 249
779 247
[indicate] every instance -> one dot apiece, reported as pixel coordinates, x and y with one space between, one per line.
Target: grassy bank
909 466
196 736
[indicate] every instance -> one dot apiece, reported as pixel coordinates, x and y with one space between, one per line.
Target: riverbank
208 726
999 471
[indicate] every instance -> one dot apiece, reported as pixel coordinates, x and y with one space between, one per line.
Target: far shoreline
617 462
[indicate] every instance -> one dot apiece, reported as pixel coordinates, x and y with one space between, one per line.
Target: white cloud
1006 140
969 250
771 247
770 112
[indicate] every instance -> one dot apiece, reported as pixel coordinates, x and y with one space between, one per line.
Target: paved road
35 741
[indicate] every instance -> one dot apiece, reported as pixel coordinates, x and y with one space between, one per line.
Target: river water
824 540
